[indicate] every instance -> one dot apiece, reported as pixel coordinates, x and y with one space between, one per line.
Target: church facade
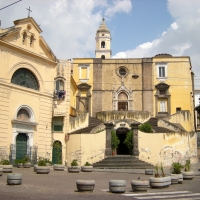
121 91
35 88
66 109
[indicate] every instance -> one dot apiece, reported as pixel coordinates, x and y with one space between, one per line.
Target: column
134 128
108 151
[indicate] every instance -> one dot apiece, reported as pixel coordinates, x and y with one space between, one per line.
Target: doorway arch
57 152
122 148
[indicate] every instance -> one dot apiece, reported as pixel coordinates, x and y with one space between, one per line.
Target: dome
103 27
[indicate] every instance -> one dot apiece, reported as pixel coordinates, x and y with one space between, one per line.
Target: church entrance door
122 148
21 146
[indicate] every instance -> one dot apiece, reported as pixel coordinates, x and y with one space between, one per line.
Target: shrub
146 127
43 161
17 161
4 162
87 164
187 165
74 163
176 168
129 141
114 140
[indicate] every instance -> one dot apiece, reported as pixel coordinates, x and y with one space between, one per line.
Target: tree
114 140
146 127
129 141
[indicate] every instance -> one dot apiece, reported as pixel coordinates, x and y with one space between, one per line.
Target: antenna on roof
29 10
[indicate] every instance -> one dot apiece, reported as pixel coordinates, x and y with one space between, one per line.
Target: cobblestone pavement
60 185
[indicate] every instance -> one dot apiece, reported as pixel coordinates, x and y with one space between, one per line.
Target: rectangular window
162 92
57 127
59 85
57 124
178 109
161 71
162 106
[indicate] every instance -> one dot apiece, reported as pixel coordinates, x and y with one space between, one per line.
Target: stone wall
166 148
86 147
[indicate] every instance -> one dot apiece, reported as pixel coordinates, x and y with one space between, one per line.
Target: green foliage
187 166
43 161
114 140
176 168
129 141
157 171
146 127
74 163
21 161
87 164
26 159
162 170
4 162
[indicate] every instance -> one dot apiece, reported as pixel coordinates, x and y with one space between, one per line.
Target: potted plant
160 180
114 142
41 167
5 164
74 168
176 168
27 163
59 166
19 163
187 173
87 167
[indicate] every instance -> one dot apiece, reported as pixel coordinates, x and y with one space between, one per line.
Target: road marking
158 193
170 196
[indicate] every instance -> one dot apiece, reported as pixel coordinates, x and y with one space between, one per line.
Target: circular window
122 71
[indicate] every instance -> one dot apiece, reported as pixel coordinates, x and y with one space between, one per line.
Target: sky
139 28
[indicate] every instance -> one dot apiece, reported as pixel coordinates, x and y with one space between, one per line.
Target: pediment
34 43
84 86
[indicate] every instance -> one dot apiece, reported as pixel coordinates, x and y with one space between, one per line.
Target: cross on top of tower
29 10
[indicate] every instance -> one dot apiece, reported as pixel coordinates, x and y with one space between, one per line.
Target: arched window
122 101
103 57
122 96
24 38
103 45
31 40
25 78
23 115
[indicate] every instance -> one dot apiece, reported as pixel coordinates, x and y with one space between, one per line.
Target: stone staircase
93 122
153 121
122 162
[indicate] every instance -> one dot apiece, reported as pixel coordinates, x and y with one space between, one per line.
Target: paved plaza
60 185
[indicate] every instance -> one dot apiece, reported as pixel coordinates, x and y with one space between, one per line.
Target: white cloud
174 26
180 39
146 45
119 6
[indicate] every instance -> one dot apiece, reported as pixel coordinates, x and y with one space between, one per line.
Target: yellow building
121 94
34 93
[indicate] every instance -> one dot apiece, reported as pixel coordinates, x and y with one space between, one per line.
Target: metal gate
31 152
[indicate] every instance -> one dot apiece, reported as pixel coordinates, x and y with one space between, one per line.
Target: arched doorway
57 153
122 148
21 146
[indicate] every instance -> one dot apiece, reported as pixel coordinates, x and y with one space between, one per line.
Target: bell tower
103 42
